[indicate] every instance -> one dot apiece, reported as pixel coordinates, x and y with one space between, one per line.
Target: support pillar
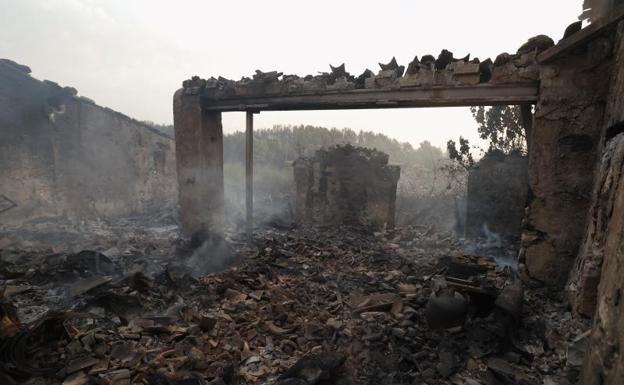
564 146
249 175
199 164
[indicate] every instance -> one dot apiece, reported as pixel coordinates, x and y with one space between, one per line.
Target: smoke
492 245
213 255
273 195
491 238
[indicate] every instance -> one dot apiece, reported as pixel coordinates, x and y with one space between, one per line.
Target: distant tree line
431 179
280 145
425 192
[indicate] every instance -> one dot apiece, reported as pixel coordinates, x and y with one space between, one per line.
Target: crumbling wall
346 185
496 196
65 156
586 273
604 363
565 142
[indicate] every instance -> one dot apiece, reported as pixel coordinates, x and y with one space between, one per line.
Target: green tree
500 125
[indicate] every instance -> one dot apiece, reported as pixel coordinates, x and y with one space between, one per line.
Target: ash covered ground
139 305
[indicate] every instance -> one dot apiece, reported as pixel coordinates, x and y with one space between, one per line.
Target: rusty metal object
18 352
446 307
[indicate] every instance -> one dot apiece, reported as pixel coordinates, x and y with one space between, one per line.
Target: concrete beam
434 96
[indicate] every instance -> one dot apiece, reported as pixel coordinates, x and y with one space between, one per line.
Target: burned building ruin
346 185
329 304
576 87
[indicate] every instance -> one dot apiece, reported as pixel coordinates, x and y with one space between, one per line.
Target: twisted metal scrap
18 348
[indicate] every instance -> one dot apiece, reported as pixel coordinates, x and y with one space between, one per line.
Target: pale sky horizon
131 55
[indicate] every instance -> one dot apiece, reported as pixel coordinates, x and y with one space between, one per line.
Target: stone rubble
446 70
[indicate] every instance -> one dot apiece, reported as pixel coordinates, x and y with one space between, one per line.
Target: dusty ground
141 307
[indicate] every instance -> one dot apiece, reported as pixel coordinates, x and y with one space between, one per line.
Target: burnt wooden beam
434 96
586 34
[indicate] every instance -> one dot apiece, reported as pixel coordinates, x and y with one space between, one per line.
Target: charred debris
339 305
339 302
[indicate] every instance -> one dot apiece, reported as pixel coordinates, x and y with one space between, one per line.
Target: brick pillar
199 163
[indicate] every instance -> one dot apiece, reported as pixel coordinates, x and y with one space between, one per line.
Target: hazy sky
131 55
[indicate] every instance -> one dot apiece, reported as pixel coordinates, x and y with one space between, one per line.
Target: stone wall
585 275
65 156
496 197
604 363
601 284
346 185
565 143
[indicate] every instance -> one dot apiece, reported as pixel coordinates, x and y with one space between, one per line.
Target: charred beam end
442 96
581 37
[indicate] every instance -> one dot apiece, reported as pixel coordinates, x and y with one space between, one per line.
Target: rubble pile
309 306
425 71
346 185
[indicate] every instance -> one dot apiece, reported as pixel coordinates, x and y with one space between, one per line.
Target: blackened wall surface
497 194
